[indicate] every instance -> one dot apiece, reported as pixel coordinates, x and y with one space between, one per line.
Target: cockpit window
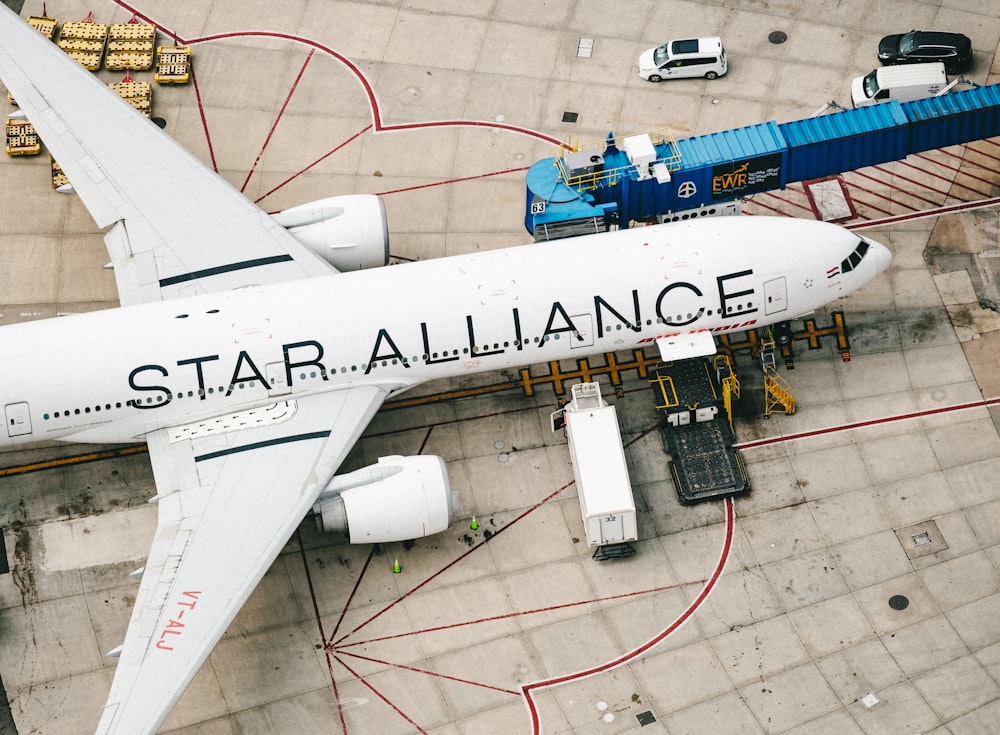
851 261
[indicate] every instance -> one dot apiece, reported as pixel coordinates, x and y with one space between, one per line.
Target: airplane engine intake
398 499
348 232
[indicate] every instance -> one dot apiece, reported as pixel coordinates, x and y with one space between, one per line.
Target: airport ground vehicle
901 83
681 58
602 482
954 50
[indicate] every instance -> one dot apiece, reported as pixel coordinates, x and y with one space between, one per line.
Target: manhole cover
645 718
777 37
570 117
899 602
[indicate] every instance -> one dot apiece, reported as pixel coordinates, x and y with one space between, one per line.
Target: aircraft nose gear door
18 419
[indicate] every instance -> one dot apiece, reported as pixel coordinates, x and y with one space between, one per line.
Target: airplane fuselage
176 362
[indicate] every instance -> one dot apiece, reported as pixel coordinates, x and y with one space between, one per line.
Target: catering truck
602 482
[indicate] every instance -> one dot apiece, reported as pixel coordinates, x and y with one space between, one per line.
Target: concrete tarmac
855 590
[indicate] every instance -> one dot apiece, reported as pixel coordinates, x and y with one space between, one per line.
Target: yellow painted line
51 464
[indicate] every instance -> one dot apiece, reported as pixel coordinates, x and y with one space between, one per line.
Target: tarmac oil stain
924 326
81 504
24 565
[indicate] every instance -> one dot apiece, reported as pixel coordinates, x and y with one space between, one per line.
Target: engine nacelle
349 232
398 499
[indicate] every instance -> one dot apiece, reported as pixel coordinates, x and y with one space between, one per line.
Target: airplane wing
228 502
177 228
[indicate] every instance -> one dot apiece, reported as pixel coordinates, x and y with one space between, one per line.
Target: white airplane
250 351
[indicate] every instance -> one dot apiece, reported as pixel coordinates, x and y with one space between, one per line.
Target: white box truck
602 482
901 83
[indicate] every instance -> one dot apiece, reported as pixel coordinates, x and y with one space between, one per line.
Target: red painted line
415 670
528 689
322 635
452 563
277 119
767 441
877 195
354 591
989 141
378 123
454 181
314 163
204 121
936 211
959 171
924 157
892 187
950 180
508 616
381 696
953 181
916 183
772 209
785 200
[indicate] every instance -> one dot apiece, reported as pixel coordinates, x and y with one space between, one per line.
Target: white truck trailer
602 482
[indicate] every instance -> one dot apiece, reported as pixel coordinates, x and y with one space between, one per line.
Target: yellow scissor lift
698 436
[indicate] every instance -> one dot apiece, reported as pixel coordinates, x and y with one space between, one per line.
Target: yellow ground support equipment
84 41
45 26
58 177
778 396
22 140
173 65
137 94
130 46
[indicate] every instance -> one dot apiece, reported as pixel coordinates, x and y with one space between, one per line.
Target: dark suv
921 47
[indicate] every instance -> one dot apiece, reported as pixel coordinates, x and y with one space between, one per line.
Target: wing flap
227 505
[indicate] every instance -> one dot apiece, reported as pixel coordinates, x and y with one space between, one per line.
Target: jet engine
348 232
398 499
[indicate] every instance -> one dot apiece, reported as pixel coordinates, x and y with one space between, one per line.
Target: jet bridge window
851 261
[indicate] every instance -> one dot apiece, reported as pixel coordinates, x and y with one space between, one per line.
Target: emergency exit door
18 419
775 296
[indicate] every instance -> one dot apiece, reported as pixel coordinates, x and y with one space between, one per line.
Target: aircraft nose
883 256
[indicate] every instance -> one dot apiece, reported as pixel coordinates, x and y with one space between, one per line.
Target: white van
900 83
686 57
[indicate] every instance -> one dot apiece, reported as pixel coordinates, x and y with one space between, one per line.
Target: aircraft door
18 419
584 336
277 383
775 296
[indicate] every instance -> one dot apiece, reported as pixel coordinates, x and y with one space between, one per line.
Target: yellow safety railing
610 176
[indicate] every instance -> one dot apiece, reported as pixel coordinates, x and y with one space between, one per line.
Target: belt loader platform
697 435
